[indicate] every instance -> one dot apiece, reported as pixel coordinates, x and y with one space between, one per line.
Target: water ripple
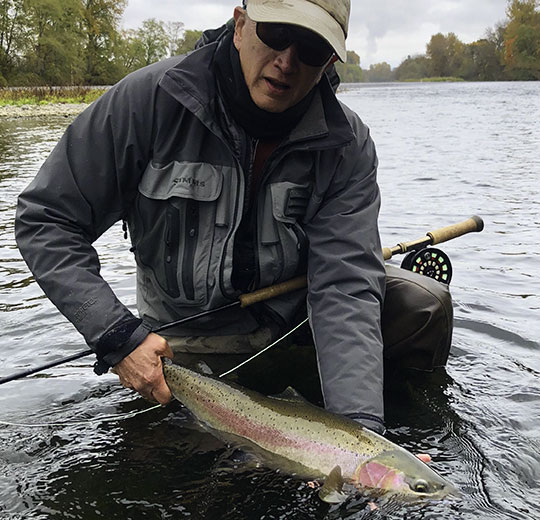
446 152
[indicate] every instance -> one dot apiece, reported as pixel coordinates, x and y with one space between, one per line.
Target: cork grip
274 290
472 224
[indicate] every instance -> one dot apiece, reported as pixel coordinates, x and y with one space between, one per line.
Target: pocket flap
196 181
289 201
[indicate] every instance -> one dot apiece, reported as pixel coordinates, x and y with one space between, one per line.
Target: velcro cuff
118 343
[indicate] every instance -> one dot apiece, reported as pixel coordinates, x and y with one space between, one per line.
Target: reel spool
431 262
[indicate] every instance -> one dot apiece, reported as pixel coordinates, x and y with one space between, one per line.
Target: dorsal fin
290 394
203 368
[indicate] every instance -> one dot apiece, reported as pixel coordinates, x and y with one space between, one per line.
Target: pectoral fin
332 490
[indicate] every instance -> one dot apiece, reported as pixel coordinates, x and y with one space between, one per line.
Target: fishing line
128 415
264 350
102 419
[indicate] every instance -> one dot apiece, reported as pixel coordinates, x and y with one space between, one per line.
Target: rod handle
437 236
273 291
473 224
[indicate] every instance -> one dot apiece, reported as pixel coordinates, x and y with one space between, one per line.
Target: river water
447 151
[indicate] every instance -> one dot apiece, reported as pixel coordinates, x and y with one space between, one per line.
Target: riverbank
44 110
46 101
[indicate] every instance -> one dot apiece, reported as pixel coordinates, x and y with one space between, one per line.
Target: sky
379 30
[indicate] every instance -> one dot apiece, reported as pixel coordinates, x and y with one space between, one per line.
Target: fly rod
244 300
437 236
471 225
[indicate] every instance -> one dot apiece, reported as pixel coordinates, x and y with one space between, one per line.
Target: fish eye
420 486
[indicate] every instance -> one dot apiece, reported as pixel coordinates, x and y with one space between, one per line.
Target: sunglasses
312 50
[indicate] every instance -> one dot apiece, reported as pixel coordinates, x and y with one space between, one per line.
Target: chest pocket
175 227
283 243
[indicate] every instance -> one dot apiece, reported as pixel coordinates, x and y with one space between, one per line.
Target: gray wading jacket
160 151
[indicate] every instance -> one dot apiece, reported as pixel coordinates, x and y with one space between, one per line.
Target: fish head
398 471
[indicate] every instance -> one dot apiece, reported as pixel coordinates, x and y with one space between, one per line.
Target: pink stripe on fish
273 438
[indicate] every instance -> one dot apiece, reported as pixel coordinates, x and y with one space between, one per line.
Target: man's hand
142 369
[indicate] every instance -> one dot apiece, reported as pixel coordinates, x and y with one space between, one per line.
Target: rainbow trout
303 439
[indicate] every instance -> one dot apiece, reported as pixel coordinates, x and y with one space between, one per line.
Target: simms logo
190 181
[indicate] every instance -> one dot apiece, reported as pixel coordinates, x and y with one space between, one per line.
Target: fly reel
431 262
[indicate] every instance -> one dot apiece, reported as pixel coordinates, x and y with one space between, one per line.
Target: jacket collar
192 83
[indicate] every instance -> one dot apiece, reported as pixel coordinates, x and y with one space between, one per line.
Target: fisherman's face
277 80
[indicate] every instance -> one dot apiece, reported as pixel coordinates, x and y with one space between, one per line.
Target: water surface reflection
447 151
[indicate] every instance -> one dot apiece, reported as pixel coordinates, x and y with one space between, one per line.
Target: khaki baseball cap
328 18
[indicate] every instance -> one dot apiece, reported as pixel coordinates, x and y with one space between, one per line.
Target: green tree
496 37
412 68
187 43
353 58
380 72
100 23
54 56
130 54
153 38
522 39
152 42
174 30
350 72
12 35
446 55
482 62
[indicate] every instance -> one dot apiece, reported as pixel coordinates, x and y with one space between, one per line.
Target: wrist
119 342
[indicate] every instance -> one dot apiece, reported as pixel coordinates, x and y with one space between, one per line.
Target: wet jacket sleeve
346 280
82 189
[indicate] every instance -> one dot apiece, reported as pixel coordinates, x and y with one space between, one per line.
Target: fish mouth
399 473
449 491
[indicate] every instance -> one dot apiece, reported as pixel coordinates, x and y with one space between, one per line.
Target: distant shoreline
41 110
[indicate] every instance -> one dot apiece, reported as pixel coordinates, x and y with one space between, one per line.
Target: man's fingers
168 352
142 370
125 382
165 350
149 397
154 389
161 393
424 457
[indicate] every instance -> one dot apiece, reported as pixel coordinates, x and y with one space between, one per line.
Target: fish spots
313 440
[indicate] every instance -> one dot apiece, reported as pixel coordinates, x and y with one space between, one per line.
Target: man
236 168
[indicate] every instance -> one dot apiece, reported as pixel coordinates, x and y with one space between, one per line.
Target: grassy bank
441 79
49 95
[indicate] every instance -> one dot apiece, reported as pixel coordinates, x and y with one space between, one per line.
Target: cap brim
302 13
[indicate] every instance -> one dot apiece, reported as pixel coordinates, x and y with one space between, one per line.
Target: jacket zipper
256 274
234 227
188 259
171 251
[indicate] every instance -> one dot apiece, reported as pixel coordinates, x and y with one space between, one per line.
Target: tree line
80 42
509 51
